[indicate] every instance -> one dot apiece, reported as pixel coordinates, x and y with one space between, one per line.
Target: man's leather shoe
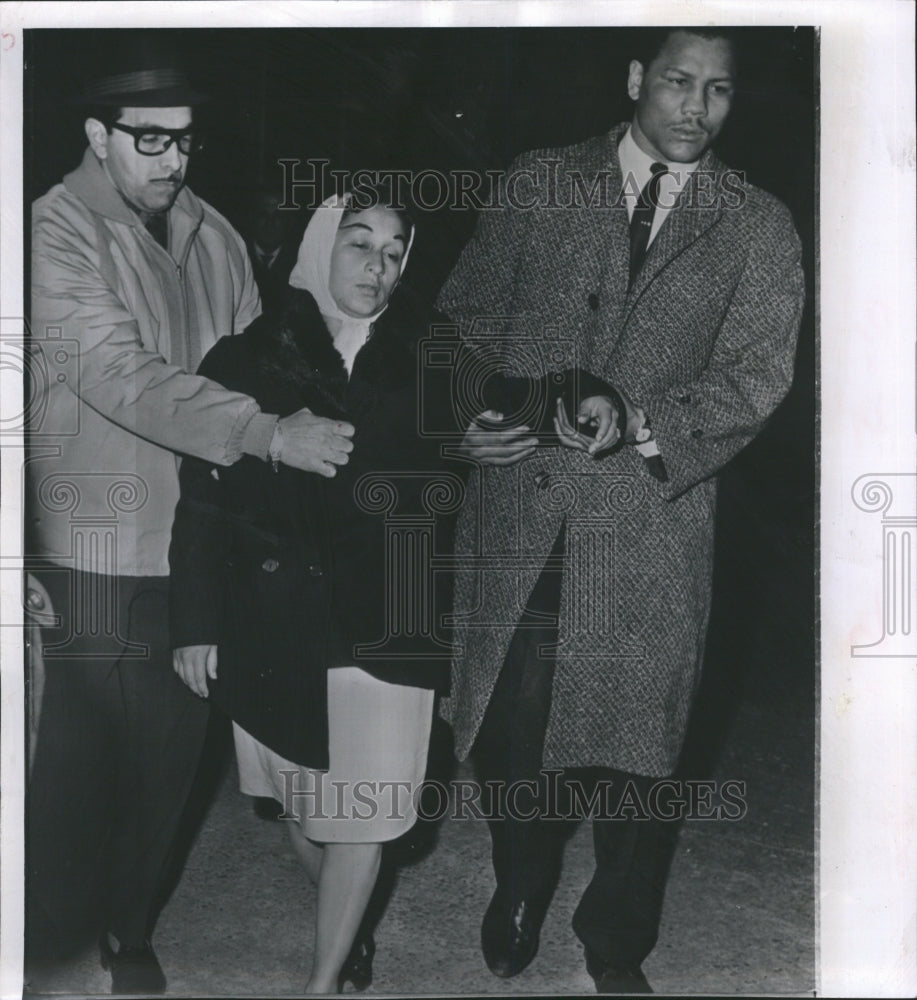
616 980
133 969
509 934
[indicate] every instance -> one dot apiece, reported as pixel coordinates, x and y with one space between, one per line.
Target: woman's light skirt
379 734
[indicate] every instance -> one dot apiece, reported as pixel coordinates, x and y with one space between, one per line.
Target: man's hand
315 444
636 418
194 664
594 411
485 442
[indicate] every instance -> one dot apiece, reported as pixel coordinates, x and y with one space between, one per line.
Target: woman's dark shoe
133 969
358 966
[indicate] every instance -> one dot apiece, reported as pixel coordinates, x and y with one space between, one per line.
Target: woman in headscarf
281 579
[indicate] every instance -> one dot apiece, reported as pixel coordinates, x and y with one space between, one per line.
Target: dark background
473 99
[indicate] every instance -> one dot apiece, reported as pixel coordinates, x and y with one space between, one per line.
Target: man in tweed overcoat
605 550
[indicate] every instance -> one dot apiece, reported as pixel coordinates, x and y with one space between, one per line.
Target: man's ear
97 135
634 79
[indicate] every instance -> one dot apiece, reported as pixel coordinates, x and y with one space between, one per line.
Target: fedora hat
142 69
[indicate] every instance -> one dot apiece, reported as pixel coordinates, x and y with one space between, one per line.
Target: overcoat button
270 565
315 570
593 301
697 433
541 480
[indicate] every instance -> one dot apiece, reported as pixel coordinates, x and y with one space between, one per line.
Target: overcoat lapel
609 233
683 226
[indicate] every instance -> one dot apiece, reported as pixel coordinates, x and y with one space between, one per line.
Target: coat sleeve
119 377
199 547
482 285
701 424
197 557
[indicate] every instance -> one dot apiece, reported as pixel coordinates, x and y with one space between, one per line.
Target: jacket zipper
180 272
184 361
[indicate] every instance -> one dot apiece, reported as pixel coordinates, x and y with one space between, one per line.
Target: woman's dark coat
285 571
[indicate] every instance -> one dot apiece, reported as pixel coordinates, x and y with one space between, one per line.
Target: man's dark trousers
618 916
119 741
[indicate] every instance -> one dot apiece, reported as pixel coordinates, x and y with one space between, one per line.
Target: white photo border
867 830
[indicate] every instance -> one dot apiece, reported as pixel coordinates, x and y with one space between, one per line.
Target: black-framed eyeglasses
152 142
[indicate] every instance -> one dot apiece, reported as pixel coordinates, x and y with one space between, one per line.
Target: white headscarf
313 270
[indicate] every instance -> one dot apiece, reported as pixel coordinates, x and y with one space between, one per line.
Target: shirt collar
637 163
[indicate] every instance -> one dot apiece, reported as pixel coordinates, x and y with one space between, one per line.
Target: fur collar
295 351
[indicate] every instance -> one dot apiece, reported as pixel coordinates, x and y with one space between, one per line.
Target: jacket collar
91 185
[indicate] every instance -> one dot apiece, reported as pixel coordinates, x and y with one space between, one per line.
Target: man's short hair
649 43
106 115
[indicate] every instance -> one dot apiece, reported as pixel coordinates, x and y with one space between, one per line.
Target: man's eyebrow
727 78
156 127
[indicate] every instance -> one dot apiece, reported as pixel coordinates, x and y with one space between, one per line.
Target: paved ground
739 913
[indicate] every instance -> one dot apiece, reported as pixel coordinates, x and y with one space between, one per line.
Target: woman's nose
375 263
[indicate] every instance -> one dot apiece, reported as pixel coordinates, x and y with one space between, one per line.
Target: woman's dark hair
384 194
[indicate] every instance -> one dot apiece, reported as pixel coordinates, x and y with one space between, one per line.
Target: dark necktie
641 222
158 227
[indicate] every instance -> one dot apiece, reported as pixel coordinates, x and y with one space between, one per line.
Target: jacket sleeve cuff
255 436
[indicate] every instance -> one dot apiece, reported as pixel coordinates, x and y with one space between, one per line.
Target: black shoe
267 808
616 979
133 969
509 934
358 966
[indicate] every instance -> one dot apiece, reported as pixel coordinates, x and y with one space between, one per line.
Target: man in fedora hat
134 279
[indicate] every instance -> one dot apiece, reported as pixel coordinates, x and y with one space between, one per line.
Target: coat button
541 479
270 565
315 570
685 397
593 301
697 433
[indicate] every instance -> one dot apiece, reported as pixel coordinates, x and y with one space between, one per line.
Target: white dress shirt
635 167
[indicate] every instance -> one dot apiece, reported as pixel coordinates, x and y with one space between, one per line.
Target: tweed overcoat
705 342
